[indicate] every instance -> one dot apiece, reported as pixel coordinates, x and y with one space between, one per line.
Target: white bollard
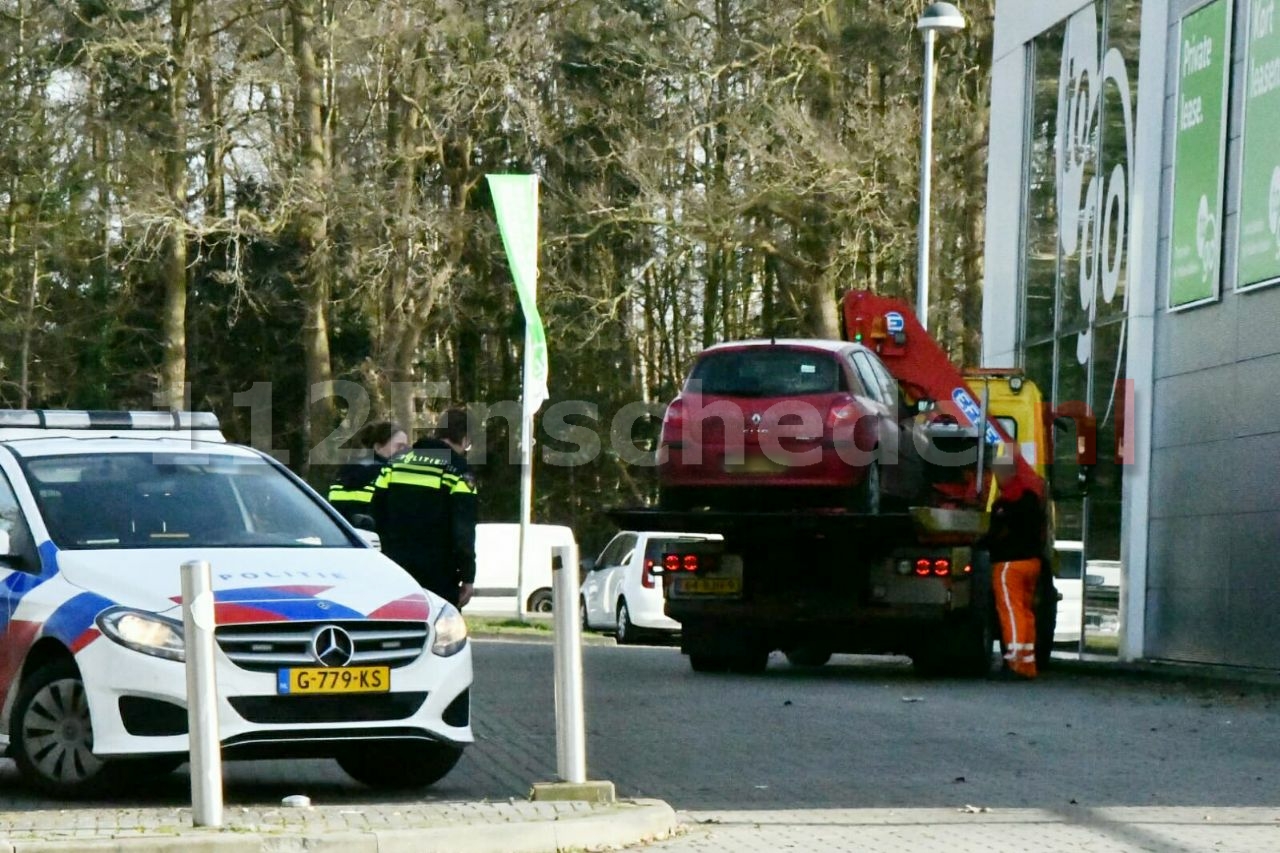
571 735
202 694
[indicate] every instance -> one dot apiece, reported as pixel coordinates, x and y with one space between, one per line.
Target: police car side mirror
6 546
360 521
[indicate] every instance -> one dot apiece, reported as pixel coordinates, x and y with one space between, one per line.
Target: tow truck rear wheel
699 662
866 495
961 649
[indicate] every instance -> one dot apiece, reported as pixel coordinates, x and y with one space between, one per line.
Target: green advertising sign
1199 154
1259 249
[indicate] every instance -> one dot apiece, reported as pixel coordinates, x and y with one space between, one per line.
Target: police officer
424 504
352 491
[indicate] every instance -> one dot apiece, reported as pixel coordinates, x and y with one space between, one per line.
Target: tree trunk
173 368
312 228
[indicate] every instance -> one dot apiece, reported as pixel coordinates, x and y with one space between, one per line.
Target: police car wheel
400 766
52 732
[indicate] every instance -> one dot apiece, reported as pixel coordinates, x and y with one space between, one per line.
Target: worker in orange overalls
1016 543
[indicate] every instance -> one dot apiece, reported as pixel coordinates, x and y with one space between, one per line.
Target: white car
1069 584
324 647
497 567
621 593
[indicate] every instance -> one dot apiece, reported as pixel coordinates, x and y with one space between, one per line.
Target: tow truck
812 582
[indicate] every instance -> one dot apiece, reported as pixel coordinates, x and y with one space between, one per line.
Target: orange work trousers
1015 589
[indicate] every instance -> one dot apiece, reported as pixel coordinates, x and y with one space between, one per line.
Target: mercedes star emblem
332 646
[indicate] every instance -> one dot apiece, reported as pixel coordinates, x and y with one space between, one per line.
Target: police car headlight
451 632
143 632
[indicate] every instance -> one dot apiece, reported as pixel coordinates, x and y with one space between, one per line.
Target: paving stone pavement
459 826
1110 830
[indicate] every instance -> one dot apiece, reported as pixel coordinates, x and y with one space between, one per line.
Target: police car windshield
176 500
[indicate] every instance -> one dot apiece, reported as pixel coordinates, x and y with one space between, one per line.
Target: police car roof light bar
98 420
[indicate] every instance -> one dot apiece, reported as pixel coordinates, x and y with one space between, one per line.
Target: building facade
1133 253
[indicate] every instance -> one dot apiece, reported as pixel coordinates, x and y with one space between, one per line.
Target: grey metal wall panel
1189 480
1194 339
1190 553
1180 416
1257 403
1259 335
1252 473
1188 625
1253 595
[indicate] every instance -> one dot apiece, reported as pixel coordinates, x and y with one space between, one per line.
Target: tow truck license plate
351 679
708 586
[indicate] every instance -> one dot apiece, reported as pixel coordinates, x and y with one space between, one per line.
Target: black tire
750 663
808 656
540 601
867 495
52 733
961 649
626 633
400 766
708 663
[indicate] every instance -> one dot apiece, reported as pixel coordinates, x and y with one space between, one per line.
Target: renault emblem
332 646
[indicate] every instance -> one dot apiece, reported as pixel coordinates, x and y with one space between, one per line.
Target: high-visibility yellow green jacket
424 504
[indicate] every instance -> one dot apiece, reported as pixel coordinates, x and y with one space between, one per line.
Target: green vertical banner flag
1195 273
1259 247
515 200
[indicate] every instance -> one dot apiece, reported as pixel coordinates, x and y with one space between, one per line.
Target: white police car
325 648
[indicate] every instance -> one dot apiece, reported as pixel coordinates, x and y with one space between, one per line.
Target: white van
498 562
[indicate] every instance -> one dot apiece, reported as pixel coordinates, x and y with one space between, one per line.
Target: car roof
28 448
821 344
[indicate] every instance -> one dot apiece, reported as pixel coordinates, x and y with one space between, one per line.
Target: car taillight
923 567
843 411
646 576
942 568
673 423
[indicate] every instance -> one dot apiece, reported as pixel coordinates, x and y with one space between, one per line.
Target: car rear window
771 372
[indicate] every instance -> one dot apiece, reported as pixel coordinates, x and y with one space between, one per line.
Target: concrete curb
627 823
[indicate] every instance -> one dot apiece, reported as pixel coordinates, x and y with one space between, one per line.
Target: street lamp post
945 18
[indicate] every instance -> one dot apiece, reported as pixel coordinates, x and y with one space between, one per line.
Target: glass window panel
1041 238
1103 541
1118 110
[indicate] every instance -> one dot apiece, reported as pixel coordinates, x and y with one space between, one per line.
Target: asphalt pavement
861 754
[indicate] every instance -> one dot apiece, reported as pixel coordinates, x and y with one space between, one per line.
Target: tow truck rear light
690 562
923 567
671 562
942 568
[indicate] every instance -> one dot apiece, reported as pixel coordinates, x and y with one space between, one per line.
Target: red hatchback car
790 424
